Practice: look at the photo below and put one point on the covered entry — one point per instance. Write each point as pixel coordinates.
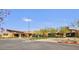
(70, 34)
(16, 35)
(20, 35)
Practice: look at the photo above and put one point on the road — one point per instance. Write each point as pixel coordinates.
(34, 45)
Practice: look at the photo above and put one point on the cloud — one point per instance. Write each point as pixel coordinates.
(27, 19)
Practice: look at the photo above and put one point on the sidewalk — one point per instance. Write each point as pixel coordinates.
(61, 40)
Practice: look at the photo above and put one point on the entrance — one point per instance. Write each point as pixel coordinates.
(23, 35)
(16, 35)
(70, 34)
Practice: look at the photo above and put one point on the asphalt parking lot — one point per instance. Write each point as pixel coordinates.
(34, 45)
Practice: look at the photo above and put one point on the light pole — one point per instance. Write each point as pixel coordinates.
(28, 23)
(28, 27)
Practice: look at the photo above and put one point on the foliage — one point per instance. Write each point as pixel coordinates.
(64, 30)
(52, 30)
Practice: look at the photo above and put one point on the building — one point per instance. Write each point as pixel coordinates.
(14, 34)
(73, 33)
(8, 33)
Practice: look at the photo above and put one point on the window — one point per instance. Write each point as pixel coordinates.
(5, 34)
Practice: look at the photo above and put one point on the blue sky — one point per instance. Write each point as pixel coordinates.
(41, 18)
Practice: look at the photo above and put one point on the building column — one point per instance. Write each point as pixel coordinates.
(19, 35)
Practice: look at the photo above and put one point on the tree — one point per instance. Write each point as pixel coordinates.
(64, 30)
(75, 24)
(44, 32)
(3, 13)
(41, 33)
(52, 30)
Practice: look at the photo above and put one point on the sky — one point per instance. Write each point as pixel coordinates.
(40, 18)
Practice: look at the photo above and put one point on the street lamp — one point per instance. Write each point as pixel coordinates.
(28, 22)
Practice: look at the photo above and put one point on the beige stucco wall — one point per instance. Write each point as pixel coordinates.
(8, 35)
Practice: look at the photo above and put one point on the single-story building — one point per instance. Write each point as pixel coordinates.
(14, 34)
